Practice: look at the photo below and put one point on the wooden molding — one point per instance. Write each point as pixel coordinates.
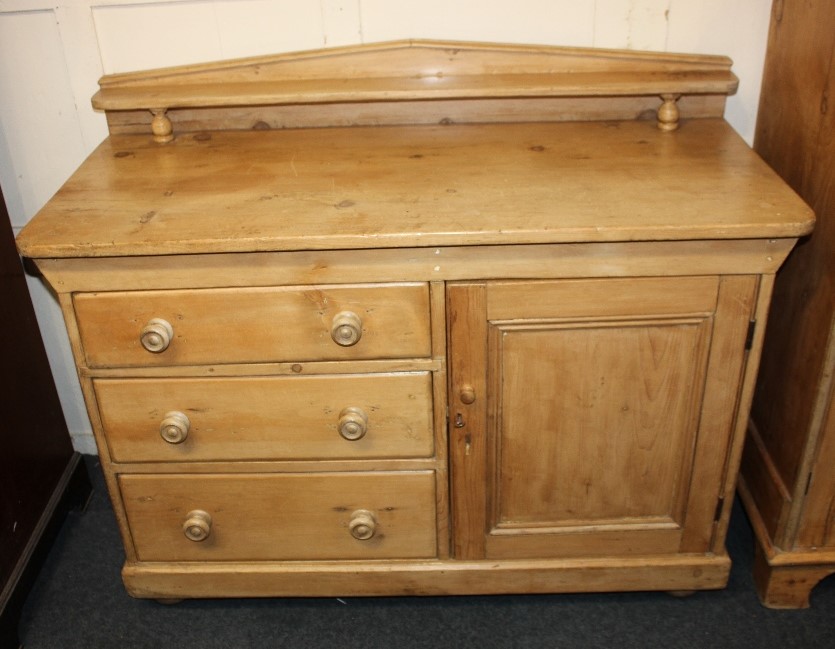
(416, 71)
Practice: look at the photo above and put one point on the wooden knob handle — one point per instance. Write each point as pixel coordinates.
(467, 394)
(198, 525)
(346, 329)
(353, 423)
(363, 525)
(174, 427)
(156, 335)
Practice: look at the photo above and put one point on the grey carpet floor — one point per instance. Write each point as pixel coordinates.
(78, 602)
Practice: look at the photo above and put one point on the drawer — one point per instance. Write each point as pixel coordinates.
(253, 325)
(268, 418)
(303, 516)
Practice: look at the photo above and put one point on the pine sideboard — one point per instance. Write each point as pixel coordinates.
(419, 318)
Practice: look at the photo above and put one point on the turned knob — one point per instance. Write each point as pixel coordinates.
(161, 126)
(668, 113)
(362, 525)
(198, 525)
(174, 427)
(346, 329)
(467, 394)
(353, 423)
(156, 335)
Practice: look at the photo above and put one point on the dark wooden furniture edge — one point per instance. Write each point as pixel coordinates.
(71, 493)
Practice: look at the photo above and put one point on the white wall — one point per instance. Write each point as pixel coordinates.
(53, 52)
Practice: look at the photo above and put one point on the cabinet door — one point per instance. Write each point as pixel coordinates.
(592, 417)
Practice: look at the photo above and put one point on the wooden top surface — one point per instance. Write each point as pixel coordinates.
(374, 187)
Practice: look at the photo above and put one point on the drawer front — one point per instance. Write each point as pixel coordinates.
(253, 325)
(281, 516)
(267, 418)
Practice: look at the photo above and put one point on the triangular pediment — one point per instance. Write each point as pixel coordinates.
(417, 70)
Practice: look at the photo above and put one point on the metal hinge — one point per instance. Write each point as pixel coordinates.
(719, 506)
(749, 337)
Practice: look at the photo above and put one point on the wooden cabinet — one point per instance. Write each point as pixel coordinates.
(788, 485)
(491, 330)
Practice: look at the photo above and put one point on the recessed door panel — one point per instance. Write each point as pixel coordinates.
(596, 422)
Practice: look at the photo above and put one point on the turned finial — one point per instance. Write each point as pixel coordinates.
(161, 126)
(668, 113)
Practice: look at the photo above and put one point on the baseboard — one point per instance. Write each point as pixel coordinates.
(84, 443)
(71, 492)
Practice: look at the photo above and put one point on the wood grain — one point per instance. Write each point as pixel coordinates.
(417, 69)
(789, 482)
(362, 578)
(795, 135)
(289, 516)
(436, 111)
(414, 186)
(267, 418)
(566, 260)
(254, 325)
(468, 422)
